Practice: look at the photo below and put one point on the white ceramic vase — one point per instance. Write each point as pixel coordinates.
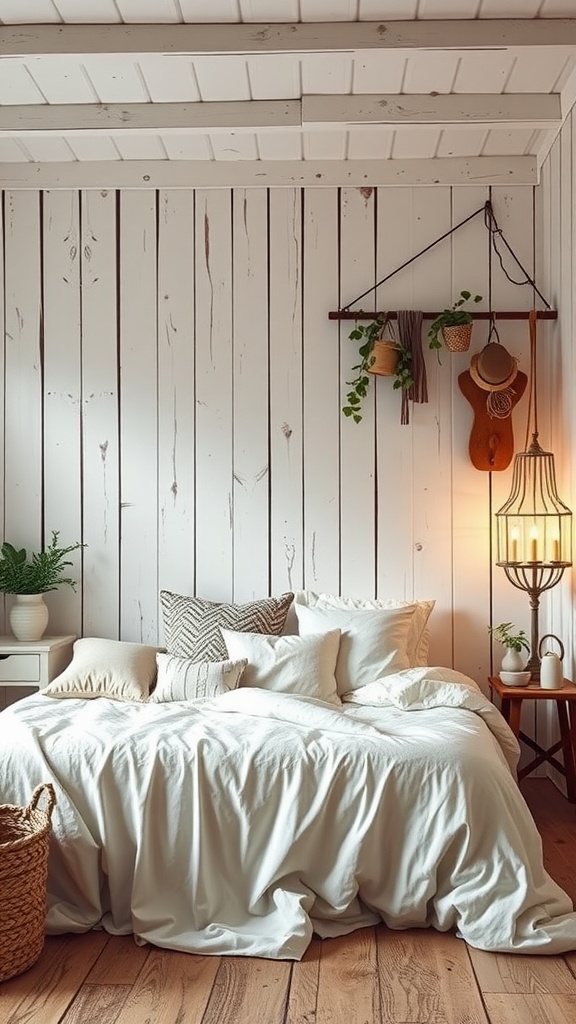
(513, 661)
(29, 617)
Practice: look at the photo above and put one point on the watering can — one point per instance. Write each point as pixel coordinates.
(551, 668)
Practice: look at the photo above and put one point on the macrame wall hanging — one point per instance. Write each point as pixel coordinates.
(493, 384)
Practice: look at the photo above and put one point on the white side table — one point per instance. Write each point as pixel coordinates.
(33, 664)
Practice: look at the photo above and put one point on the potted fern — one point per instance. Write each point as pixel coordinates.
(28, 577)
(385, 357)
(454, 325)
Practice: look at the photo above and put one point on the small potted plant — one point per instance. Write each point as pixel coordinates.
(515, 642)
(453, 325)
(28, 578)
(378, 355)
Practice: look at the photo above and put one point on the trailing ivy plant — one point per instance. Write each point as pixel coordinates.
(368, 334)
(42, 571)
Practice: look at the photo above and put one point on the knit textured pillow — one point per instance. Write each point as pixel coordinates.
(184, 679)
(192, 625)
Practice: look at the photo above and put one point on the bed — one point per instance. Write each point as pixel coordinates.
(242, 807)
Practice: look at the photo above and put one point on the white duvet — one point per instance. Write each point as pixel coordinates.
(243, 824)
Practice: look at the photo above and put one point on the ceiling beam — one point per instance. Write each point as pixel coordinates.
(392, 111)
(94, 118)
(297, 37)
(523, 110)
(507, 170)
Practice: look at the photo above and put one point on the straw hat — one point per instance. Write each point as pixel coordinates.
(493, 369)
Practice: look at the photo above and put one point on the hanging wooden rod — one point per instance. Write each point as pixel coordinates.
(507, 314)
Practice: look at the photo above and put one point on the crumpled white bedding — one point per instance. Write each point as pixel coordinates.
(243, 824)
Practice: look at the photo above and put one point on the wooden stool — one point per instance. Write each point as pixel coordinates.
(565, 700)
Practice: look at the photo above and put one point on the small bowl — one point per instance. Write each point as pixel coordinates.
(515, 678)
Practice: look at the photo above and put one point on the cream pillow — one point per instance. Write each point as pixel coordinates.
(107, 668)
(372, 643)
(184, 679)
(288, 664)
(419, 633)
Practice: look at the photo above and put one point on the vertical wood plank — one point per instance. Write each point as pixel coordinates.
(62, 396)
(357, 445)
(348, 981)
(432, 433)
(138, 418)
(394, 441)
(176, 391)
(472, 566)
(251, 554)
(23, 465)
(214, 396)
(100, 416)
(322, 396)
(286, 341)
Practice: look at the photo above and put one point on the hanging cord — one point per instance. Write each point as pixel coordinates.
(499, 404)
(532, 414)
(496, 232)
(412, 258)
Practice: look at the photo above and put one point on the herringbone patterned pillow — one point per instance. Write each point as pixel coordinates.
(192, 625)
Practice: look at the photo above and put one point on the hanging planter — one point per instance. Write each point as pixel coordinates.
(454, 325)
(457, 339)
(385, 353)
(383, 357)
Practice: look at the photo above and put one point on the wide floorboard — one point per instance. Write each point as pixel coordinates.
(374, 976)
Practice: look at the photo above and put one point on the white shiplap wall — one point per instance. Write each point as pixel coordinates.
(173, 392)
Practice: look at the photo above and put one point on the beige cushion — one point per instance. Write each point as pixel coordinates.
(288, 664)
(419, 633)
(372, 643)
(184, 679)
(107, 668)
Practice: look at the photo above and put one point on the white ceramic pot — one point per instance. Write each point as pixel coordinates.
(513, 661)
(29, 617)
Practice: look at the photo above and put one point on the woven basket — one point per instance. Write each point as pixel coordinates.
(386, 355)
(24, 840)
(457, 339)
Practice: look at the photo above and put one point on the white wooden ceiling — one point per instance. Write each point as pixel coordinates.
(179, 93)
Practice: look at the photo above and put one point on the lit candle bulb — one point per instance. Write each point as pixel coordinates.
(555, 549)
(514, 544)
(534, 544)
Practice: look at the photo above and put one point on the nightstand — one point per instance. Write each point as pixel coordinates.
(565, 700)
(33, 664)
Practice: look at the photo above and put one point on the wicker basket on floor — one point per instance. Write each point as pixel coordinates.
(24, 840)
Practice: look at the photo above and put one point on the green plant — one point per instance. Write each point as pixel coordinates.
(368, 334)
(452, 316)
(42, 571)
(502, 633)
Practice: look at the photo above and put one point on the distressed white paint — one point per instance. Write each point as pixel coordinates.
(138, 373)
(286, 387)
(214, 396)
(176, 375)
(252, 173)
(100, 416)
(62, 395)
(251, 551)
(215, 458)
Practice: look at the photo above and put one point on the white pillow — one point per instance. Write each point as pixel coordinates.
(372, 643)
(184, 679)
(106, 668)
(288, 664)
(419, 634)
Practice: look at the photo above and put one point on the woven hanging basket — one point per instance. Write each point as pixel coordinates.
(386, 356)
(24, 841)
(457, 339)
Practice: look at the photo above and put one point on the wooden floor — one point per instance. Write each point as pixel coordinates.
(371, 976)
